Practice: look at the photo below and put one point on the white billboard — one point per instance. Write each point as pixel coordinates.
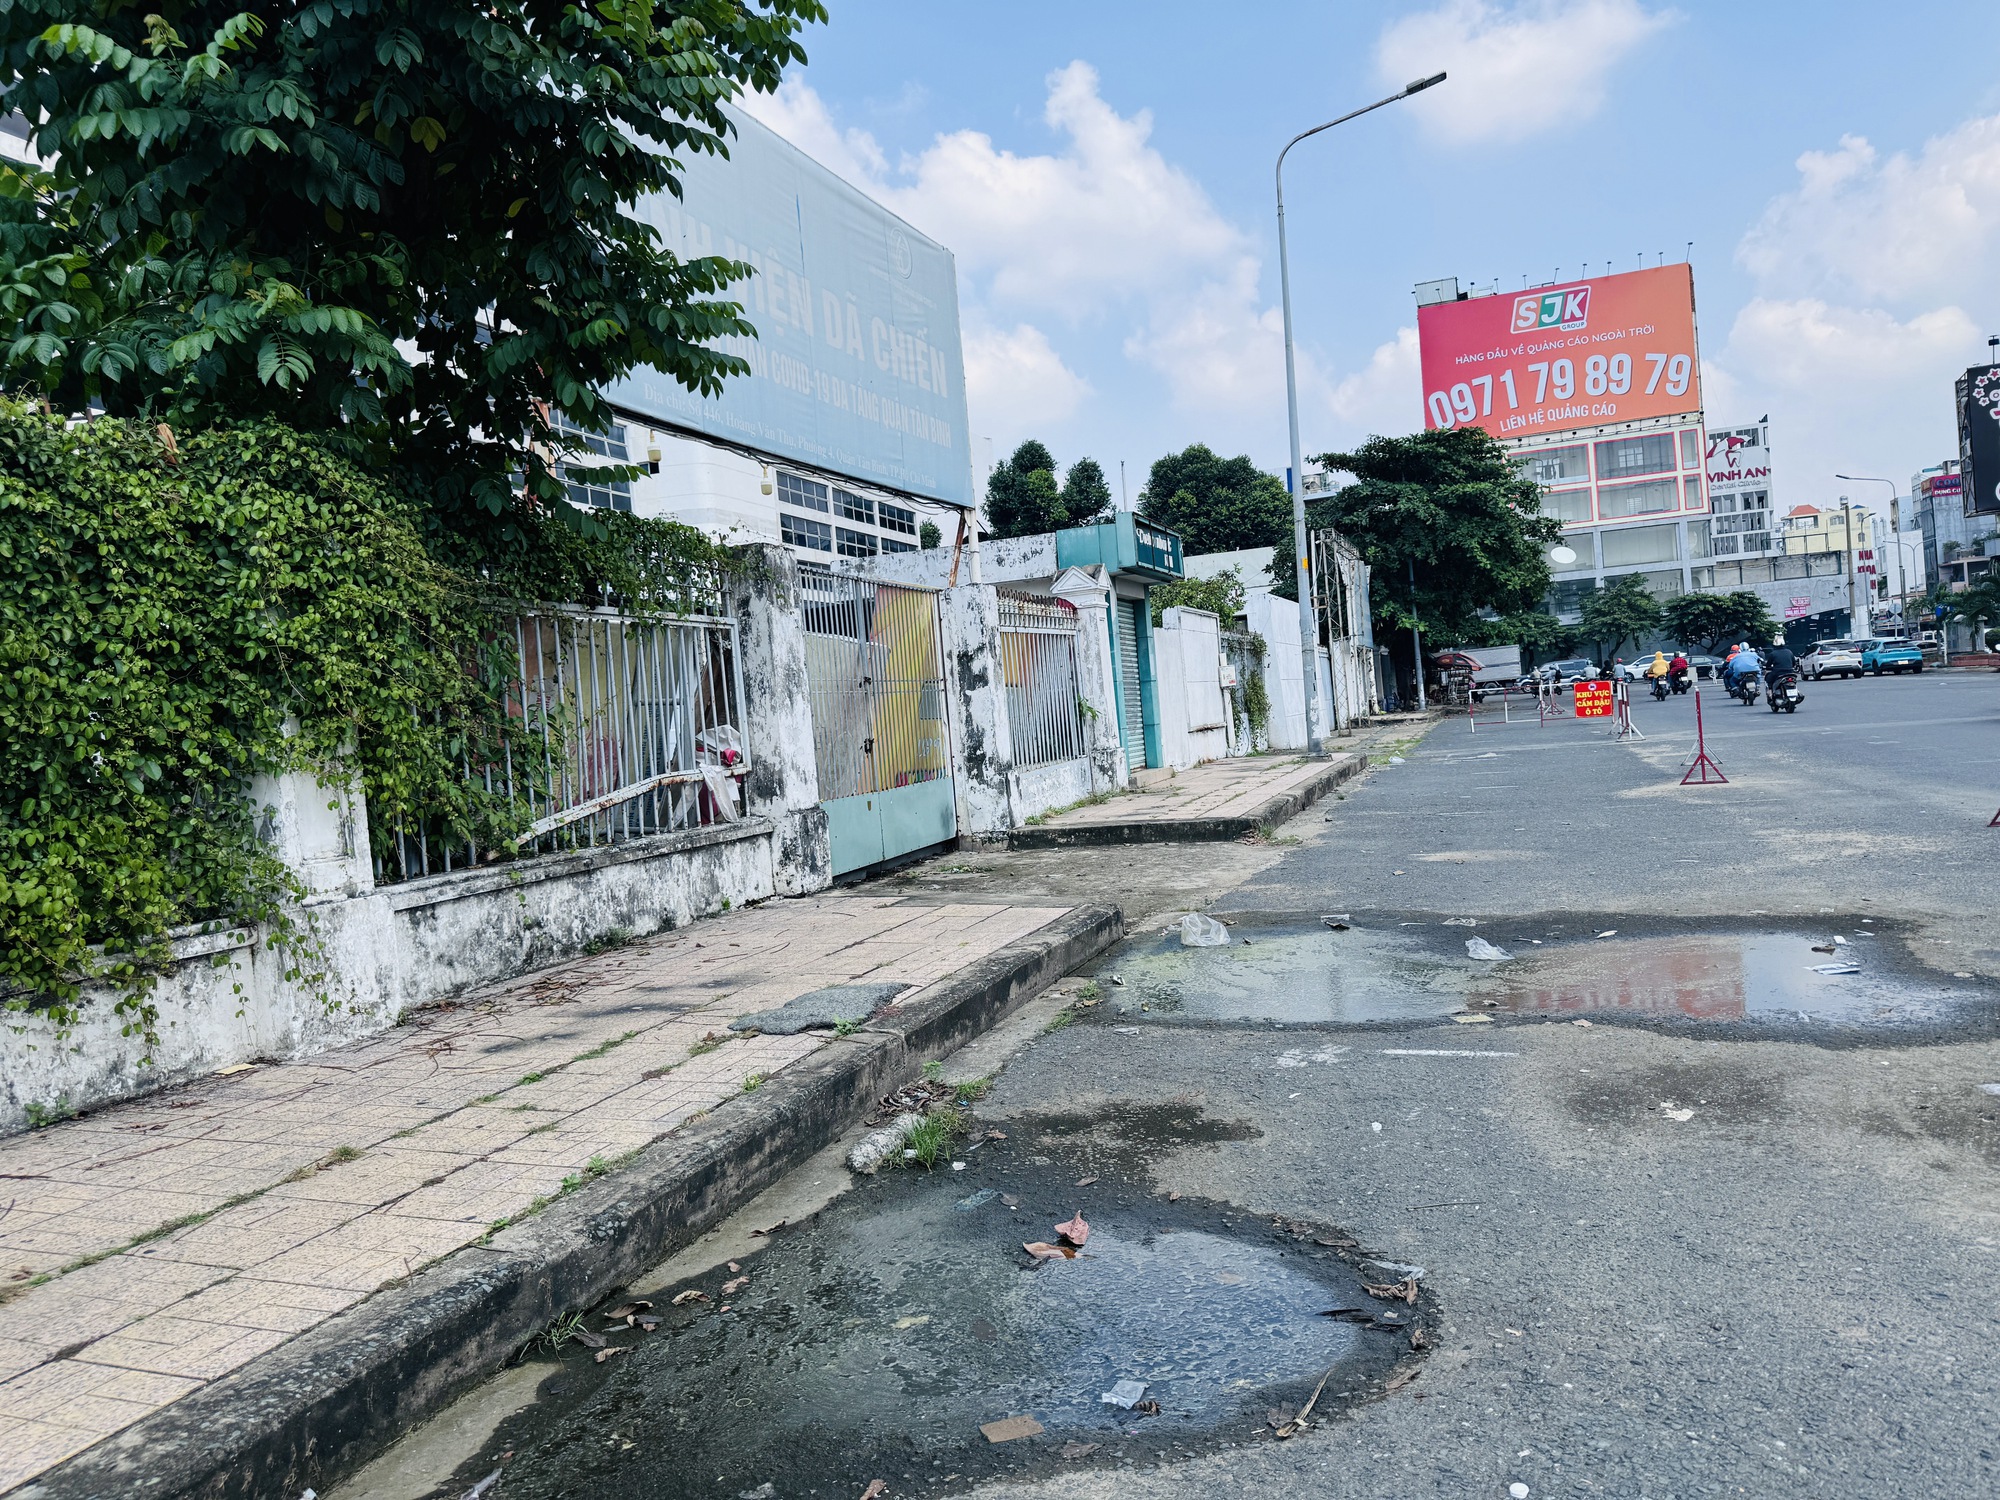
(857, 366)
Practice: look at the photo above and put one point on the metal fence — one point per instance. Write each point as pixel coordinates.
(876, 682)
(623, 727)
(1038, 663)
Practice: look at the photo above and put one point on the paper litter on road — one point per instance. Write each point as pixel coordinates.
(1836, 968)
(1124, 1394)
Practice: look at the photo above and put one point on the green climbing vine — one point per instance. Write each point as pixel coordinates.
(178, 616)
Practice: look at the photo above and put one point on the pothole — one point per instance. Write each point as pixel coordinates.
(877, 1341)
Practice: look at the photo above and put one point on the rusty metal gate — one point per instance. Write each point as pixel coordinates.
(880, 740)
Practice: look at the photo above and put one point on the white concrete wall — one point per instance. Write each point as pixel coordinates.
(366, 954)
(1194, 721)
(1277, 621)
(365, 958)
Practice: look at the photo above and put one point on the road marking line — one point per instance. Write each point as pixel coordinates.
(1439, 1052)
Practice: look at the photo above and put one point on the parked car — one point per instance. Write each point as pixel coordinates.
(1705, 666)
(1831, 659)
(1572, 669)
(1879, 656)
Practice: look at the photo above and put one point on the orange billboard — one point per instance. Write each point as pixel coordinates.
(1581, 354)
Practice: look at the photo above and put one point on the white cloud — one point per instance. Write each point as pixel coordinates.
(1851, 389)
(1387, 394)
(1891, 229)
(1514, 70)
(1015, 381)
(1100, 229)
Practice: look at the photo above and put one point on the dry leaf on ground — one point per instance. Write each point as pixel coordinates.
(1398, 1291)
(691, 1295)
(1075, 1231)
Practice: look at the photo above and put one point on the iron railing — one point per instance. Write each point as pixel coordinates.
(1038, 663)
(624, 727)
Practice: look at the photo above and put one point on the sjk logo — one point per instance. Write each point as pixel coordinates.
(1566, 309)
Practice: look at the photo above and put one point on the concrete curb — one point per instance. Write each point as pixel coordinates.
(1193, 830)
(319, 1405)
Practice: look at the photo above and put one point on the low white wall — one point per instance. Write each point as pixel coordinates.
(226, 998)
(1040, 789)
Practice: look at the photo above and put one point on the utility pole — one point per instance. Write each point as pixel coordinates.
(1417, 638)
(1308, 620)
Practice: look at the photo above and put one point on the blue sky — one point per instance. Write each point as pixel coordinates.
(1103, 173)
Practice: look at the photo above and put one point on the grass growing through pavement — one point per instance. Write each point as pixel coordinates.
(933, 1136)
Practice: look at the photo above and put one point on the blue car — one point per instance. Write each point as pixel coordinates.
(1879, 656)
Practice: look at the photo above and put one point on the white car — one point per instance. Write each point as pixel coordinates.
(1831, 659)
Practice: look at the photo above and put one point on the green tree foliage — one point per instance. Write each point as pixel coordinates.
(1086, 497)
(1451, 507)
(1620, 611)
(1024, 499)
(176, 618)
(250, 210)
(1221, 596)
(929, 538)
(1217, 504)
(1708, 622)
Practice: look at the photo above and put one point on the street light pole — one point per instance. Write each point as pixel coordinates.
(1894, 534)
(1308, 623)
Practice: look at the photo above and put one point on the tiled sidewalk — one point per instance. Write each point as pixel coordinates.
(1244, 788)
(155, 1246)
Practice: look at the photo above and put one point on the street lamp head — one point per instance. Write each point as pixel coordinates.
(1423, 83)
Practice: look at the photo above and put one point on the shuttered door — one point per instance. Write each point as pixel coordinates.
(1128, 682)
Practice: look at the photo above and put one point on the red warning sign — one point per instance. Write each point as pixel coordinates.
(1593, 700)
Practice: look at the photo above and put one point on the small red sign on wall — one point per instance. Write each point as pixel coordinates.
(1593, 700)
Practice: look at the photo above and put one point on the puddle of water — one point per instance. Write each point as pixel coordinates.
(1304, 975)
(1386, 967)
(874, 1343)
(1719, 977)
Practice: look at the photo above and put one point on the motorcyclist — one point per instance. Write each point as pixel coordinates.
(1778, 661)
(1678, 670)
(1658, 666)
(1743, 662)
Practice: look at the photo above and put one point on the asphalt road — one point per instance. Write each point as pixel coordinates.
(1790, 1291)
(1667, 1260)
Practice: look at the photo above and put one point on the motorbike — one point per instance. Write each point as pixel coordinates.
(1660, 689)
(1745, 688)
(1786, 694)
(1683, 680)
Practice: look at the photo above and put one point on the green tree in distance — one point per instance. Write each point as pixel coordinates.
(1221, 596)
(1710, 621)
(1451, 508)
(929, 537)
(1023, 498)
(1217, 504)
(1622, 610)
(256, 213)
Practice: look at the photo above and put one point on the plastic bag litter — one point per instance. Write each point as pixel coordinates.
(1480, 948)
(1836, 968)
(1125, 1393)
(878, 1146)
(1198, 931)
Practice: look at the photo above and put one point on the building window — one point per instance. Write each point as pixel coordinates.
(1623, 458)
(1570, 506)
(1616, 501)
(801, 532)
(807, 494)
(895, 518)
(1704, 578)
(854, 543)
(853, 507)
(1698, 545)
(1556, 465)
(1584, 545)
(1567, 597)
(890, 544)
(1690, 450)
(610, 446)
(1640, 544)
(1692, 487)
